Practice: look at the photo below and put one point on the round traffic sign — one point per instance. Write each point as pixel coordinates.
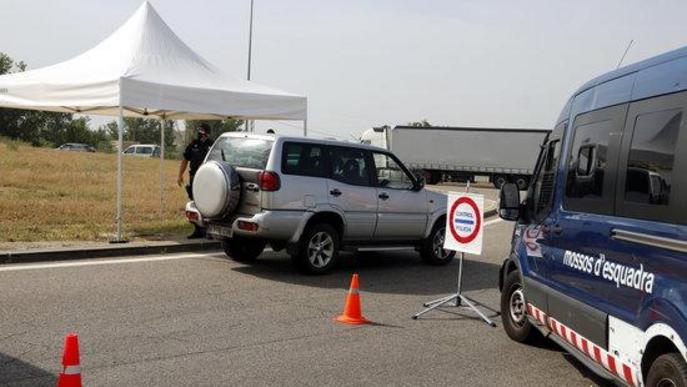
(465, 220)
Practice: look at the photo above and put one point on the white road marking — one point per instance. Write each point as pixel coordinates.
(493, 221)
(98, 262)
(30, 266)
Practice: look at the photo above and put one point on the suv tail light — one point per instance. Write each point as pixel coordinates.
(247, 226)
(192, 216)
(269, 181)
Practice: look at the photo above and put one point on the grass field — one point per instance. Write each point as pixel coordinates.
(51, 195)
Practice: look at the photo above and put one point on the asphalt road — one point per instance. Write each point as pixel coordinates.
(201, 319)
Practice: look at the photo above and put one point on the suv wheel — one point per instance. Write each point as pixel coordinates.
(243, 249)
(319, 249)
(514, 309)
(667, 370)
(432, 251)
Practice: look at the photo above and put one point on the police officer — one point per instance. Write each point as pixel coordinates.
(195, 154)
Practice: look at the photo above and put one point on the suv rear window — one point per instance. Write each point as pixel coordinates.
(242, 152)
(303, 160)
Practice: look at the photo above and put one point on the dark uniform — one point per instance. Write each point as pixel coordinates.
(195, 154)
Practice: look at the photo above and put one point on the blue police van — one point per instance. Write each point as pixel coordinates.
(599, 252)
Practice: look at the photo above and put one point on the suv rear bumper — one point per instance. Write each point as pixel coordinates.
(271, 225)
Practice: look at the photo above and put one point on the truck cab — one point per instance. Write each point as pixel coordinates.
(599, 251)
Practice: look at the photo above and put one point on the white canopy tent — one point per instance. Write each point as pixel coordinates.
(144, 70)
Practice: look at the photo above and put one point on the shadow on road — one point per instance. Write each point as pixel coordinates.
(14, 372)
(392, 273)
(584, 371)
(549, 345)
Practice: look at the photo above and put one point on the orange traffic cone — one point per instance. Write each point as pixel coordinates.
(71, 372)
(353, 313)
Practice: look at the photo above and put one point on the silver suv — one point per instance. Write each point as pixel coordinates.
(313, 198)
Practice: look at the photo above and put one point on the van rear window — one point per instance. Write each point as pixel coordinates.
(242, 151)
(649, 174)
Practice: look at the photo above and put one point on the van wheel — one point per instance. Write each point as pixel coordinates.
(514, 309)
(432, 250)
(522, 183)
(667, 370)
(499, 181)
(243, 249)
(319, 249)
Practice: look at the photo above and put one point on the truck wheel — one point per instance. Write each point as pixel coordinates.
(243, 249)
(499, 181)
(522, 182)
(432, 250)
(514, 309)
(667, 370)
(318, 250)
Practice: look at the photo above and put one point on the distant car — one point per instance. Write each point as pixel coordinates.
(143, 150)
(76, 147)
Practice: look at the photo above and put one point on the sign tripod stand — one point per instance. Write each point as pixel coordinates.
(461, 301)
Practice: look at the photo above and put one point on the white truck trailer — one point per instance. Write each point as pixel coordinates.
(460, 154)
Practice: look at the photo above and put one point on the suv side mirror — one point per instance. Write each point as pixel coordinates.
(419, 183)
(509, 206)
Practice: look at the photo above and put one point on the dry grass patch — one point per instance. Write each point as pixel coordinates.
(46, 194)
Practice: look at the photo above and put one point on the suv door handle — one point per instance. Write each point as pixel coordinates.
(383, 196)
(335, 192)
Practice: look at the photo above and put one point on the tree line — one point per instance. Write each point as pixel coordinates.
(52, 129)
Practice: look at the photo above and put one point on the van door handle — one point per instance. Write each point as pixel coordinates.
(556, 229)
(335, 192)
(383, 196)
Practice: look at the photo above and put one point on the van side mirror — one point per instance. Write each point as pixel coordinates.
(509, 206)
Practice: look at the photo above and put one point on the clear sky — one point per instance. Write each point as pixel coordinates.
(363, 63)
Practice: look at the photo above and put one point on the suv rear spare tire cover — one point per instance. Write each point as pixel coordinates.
(216, 189)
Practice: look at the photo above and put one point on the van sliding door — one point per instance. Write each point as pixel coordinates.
(650, 233)
(577, 235)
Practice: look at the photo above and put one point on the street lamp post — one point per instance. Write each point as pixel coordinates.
(249, 124)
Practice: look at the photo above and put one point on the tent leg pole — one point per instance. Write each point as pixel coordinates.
(120, 141)
(162, 173)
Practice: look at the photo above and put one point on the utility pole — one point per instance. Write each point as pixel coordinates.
(249, 124)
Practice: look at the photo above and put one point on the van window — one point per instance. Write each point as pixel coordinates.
(652, 180)
(542, 191)
(649, 175)
(303, 160)
(592, 161)
(144, 150)
(588, 159)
